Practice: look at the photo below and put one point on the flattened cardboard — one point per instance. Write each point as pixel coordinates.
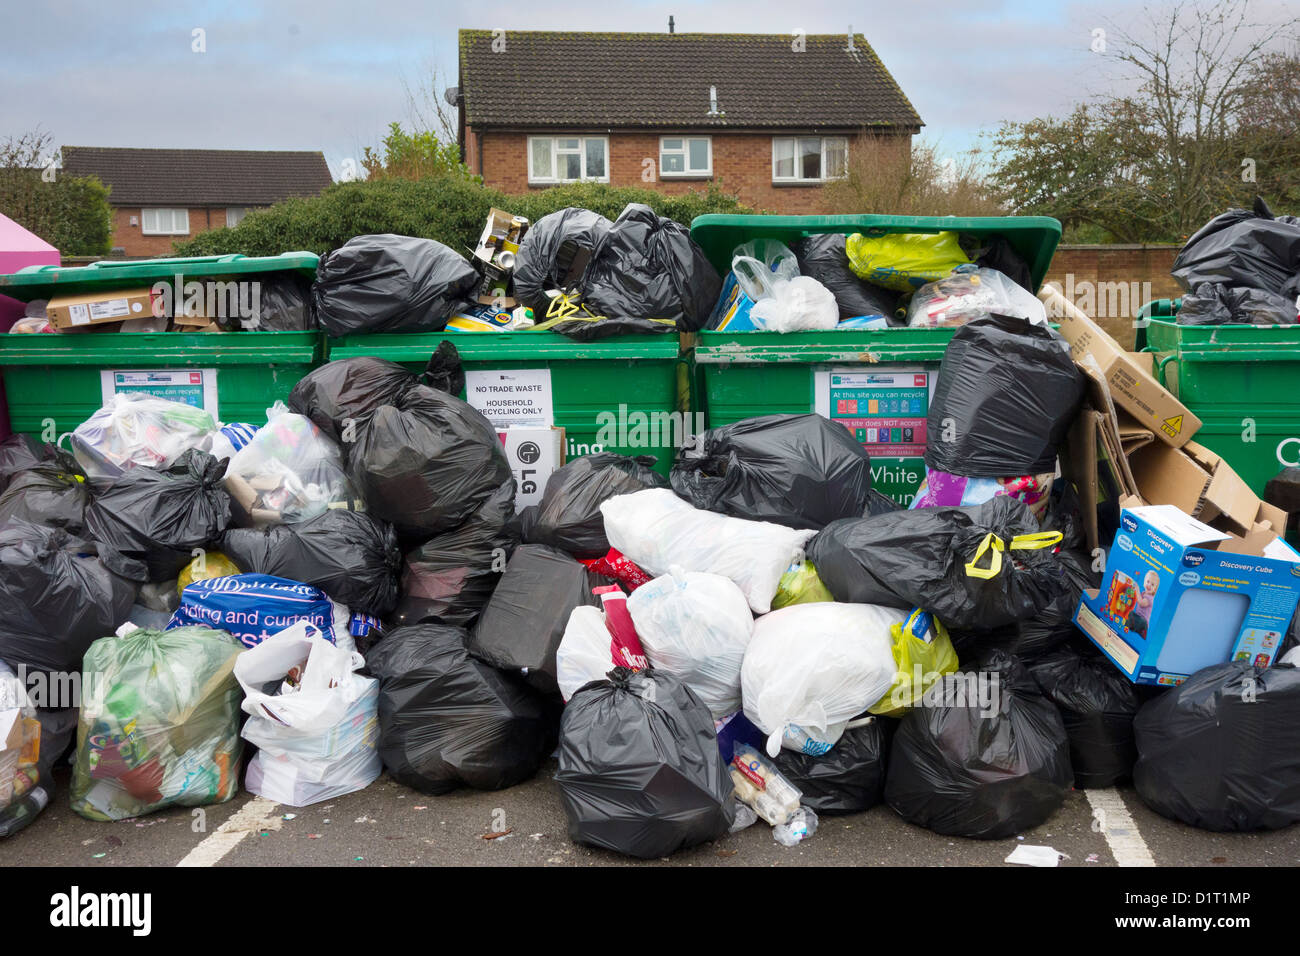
(98, 308)
(1130, 384)
(1197, 481)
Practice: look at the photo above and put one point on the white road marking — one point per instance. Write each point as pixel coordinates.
(256, 815)
(1117, 826)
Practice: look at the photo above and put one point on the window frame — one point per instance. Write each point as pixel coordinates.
(554, 139)
(801, 180)
(173, 231)
(243, 211)
(685, 153)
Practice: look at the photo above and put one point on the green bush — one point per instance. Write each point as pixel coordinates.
(449, 209)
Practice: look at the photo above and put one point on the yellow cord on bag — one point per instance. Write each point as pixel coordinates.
(994, 546)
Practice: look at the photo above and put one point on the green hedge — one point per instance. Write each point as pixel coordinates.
(448, 209)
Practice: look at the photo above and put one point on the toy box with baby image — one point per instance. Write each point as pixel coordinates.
(1179, 596)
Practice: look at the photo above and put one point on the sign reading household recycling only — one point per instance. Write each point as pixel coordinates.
(192, 386)
(512, 397)
(885, 409)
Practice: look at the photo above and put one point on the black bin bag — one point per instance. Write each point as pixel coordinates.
(1242, 247)
(351, 556)
(552, 254)
(156, 518)
(284, 304)
(1054, 624)
(640, 771)
(801, 471)
(1221, 751)
(340, 397)
(568, 516)
(955, 769)
(19, 452)
(823, 257)
(1097, 704)
(975, 567)
(645, 275)
(848, 778)
(448, 721)
(1006, 395)
(55, 494)
(523, 623)
(389, 283)
(450, 577)
(56, 597)
(427, 463)
(1215, 304)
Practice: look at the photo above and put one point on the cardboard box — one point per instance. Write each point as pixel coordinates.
(95, 308)
(534, 453)
(1200, 483)
(1129, 382)
(1179, 595)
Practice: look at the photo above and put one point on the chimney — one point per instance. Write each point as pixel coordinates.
(670, 23)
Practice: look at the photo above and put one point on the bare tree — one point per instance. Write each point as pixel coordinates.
(429, 110)
(1188, 66)
(886, 175)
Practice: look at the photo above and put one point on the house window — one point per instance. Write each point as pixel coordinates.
(568, 159)
(685, 156)
(235, 215)
(165, 222)
(809, 159)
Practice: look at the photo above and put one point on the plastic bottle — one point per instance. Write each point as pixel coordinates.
(23, 811)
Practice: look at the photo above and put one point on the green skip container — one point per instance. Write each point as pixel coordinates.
(629, 394)
(55, 381)
(1242, 381)
(877, 381)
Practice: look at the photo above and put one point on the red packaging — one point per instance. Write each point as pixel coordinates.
(625, 648)
(619, 567)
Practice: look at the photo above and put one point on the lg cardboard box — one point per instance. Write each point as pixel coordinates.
(1179, 595)
(1131, 385)
(95, 308)
(534, 453)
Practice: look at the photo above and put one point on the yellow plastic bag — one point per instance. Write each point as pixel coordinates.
(800, 585)
(920, 662)
(212, 564)
(904, 261)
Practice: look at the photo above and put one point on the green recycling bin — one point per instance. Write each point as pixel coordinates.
(55, 381)
(877, 382)
(1241, 381)
(628, 394)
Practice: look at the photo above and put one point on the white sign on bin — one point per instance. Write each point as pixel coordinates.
(511, 398)
(192, 386)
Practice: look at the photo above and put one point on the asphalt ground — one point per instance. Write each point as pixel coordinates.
(390, 825)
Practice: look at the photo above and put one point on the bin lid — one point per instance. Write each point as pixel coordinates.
(43, 282)
(1034, 237)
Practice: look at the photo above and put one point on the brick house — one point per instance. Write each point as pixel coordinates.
(162, 196)
(770, 118)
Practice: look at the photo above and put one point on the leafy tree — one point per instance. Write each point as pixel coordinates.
(69, 212)
(415, 155)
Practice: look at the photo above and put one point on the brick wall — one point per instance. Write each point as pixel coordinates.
(134, 242)
(1100, 280)
(742, 164)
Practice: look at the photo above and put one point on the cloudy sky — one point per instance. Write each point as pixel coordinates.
(330, 75)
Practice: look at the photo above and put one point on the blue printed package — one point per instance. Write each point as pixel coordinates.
(1179, 595)
(254, 606)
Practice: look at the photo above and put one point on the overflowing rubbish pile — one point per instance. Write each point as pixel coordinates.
(1240, 269)
(755, 636)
